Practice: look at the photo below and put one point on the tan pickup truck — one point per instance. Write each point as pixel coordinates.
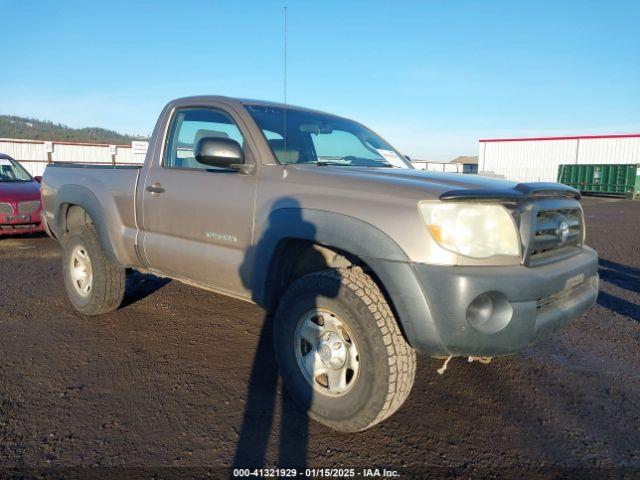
(361, 259)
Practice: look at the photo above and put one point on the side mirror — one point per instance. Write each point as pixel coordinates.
(408, 158)
(219, 152)
(38, 178)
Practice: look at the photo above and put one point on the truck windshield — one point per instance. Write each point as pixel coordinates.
(12, 171)
(300, 136)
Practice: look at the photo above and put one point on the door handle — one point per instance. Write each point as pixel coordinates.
(155, 189)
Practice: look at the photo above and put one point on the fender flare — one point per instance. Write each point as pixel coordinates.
(380, 252)
(84, 198)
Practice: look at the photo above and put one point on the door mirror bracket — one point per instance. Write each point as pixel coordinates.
(243, 167)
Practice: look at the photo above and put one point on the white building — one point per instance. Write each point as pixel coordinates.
(537, 159)
(34, 155)
(463, 164)
(437, 166)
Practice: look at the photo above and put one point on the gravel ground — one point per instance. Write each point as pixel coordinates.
(160, 388)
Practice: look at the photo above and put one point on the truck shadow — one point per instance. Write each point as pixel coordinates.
(619, 305)
(622, 276)
(264, 384)
(628, 269)
(140, 285)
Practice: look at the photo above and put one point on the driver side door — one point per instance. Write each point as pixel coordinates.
(197, 220)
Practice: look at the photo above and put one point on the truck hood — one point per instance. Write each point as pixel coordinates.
(19, 191)
(446, 186)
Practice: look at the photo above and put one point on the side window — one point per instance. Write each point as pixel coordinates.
(190, 125)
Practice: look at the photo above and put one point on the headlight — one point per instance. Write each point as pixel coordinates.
(472, 230)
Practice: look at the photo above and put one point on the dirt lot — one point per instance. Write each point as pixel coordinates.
(166, 382)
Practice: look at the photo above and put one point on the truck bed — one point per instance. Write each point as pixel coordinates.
(113, 188)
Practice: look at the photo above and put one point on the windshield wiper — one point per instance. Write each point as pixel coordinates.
(349, 160)
(325, 163)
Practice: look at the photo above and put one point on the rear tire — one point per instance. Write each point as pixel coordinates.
(351, 313)
(94, 284)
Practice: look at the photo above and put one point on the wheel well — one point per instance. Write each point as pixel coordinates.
(74, 216)
(294, 258)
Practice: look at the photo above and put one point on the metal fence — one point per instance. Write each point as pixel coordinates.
(34, 155)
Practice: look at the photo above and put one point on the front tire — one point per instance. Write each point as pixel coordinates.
(340, 351)
(94, 284)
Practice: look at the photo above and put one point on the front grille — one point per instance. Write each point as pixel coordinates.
(548, 233)
(6, 209)
(29, 207)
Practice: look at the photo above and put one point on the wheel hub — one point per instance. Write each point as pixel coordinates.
(333, 352)
(326, 352)
(81, 271)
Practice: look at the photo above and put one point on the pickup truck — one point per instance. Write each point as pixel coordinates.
(359, 259)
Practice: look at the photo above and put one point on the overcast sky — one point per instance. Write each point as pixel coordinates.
(431, 76)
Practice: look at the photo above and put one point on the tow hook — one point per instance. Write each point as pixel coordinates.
(443, 368)
(483, 360)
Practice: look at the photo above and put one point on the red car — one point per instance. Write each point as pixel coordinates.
(20, 204)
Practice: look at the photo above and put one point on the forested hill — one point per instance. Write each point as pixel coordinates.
(28, 128)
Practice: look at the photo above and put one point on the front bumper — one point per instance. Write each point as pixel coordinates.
(10, 225)
(531, 302)
(20, 229)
